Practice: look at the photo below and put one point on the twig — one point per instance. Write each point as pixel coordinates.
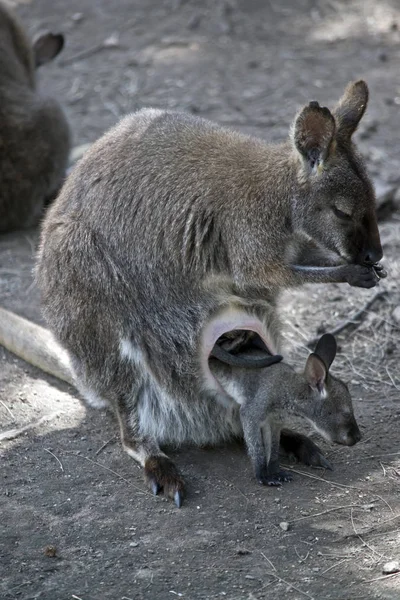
(339, 485)
(7, 409)
(391, 378)
(374, 527)
(324, 512)
(57, 459)
(333, 566)
(302, 558)
(104, 445)
(141, 490)
(382, 577)
(362, 540)
(291, 585)
(13, 433)
(268, 561)
(355, 320)
(110, 42)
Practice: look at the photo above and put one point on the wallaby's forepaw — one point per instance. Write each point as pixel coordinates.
(380, 271)
(363, 276)
(162, 475)
(273, 479)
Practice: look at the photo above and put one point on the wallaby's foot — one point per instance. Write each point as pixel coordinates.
(161, 474)
(364, 276)
(303, 449)
(273, 479)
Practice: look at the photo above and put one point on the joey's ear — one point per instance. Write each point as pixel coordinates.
(326, 349)
(46, 46)
(351, 108)
(315, 373)
(313, 133)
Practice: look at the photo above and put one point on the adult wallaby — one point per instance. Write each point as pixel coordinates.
(34, 134)
(269, 397)
(171, 232)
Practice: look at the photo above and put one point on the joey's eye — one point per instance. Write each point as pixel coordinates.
(340, 214)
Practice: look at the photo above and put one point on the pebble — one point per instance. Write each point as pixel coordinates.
(390, 567)
(284, 525)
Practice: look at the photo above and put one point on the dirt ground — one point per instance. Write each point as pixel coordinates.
(66, 482)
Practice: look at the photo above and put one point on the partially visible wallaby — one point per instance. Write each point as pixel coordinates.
(269, 397)
(172, 231)
(34, 134)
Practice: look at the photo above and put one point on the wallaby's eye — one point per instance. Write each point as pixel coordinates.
(340, 214)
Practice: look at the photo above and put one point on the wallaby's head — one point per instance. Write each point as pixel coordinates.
(330, 409)
(18, 55)
(336, 200)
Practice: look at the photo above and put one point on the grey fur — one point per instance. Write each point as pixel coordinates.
(34, 134)
(172, 231)
(268, 399)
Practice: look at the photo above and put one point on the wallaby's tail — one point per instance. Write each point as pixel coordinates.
(35, 345)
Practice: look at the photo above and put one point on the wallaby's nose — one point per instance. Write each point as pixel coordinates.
(373, 255)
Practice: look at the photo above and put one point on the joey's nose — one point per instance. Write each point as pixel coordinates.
(353, 436)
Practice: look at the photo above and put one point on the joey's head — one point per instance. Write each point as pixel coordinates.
(335, 204)
(329, 406)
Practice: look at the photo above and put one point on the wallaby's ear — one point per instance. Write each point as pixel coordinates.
(315, 373)
(326, 349)
(313, 133)
(351, 108)
(46, 46)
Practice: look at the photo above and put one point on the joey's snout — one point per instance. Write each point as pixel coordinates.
(349, 435)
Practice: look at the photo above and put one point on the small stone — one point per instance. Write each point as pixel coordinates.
(134, 544)
(277, 500)
(242, 551)
(50, 551)
(393, 566)
(284, 525)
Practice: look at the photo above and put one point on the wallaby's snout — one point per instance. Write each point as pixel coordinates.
(367, 243)
(341, 427)
(331, 412)
(338, 201)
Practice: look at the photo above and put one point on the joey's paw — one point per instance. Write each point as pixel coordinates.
(273, 479)
(361, 276)
(162, 475)
(308, 453)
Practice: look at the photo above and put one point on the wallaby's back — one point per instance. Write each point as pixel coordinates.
(34, 134)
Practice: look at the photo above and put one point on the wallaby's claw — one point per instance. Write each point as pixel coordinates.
(324, 463)
(155, 488)
(161, 474)
(380, 271)
(362, 276)
(275, 479)
(178, 498)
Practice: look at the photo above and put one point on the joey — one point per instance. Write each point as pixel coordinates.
(34, 134)
(269, 397)
(172, 231)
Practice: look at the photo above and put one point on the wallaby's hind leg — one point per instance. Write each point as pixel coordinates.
(303, 449)
(160, 472)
